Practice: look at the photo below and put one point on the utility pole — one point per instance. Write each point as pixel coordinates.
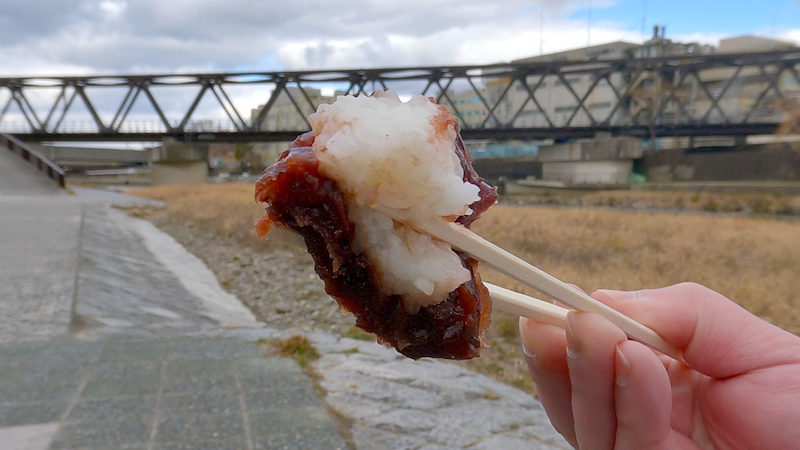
(589, 23)
(644, 17)
(541, 28)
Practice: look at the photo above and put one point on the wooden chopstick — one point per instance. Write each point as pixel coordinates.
(462, 238)
(525, 306)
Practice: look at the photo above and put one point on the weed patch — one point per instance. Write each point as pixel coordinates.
(357, 333)
(297, 347)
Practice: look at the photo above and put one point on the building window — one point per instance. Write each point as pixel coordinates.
(601, 105)
(571, 80)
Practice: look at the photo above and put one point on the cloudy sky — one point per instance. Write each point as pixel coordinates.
(69, 37)
(123, 36)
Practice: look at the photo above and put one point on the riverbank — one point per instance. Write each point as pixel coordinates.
(743, 256)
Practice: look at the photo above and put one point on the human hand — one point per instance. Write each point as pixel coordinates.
(741, 388)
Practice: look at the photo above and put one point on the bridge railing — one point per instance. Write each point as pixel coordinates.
(32, 156)
(732, 94)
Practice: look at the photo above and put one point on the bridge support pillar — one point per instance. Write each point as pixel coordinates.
(602, 162)
(177, 162)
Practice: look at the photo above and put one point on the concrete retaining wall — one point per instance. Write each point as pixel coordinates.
(596, 173)
(511, 168)
(599, 149)
(180, 163)
(92, 156)
(190, 172)
(750, 163)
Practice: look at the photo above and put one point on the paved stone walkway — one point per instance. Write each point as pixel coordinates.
(113, 336)
(161, 393)
(39, 230)
(39, 242)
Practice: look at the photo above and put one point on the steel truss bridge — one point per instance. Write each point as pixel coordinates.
(690, 95)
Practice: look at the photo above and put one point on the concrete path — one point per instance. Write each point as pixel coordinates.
(19, 177)
(39, 239)
(113, 336)
(134, 279)
(158, 393)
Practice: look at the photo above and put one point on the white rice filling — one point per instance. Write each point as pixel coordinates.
(421, 269)
(388, 153)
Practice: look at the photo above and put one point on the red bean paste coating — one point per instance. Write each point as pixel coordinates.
(299, 197)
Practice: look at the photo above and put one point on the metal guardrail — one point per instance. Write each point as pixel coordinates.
(39, 161)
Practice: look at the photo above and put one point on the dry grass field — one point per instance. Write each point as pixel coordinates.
(227, 209)
(754, 260)
(774, 202)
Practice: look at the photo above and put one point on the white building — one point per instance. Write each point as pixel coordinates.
(557, 96)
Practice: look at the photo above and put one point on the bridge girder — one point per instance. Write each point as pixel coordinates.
(696, 95)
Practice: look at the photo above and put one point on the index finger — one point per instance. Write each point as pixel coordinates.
(718, 337)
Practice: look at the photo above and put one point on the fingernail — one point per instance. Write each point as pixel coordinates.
(622, 369)
(526, 350)
(573, 346)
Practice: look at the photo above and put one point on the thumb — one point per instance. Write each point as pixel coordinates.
(718, 337)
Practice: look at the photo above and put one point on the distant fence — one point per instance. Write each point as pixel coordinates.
(41, 162)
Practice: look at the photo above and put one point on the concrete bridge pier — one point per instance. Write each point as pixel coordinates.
(178, 162)
(603, 162)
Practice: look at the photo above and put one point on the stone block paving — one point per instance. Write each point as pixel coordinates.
(185, 392)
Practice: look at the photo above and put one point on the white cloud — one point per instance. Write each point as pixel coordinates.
(790, 35)
(113, 9)
(119, 36)
(474, 43)
(699, 37)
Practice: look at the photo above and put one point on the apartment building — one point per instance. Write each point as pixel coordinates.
(467, 106)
